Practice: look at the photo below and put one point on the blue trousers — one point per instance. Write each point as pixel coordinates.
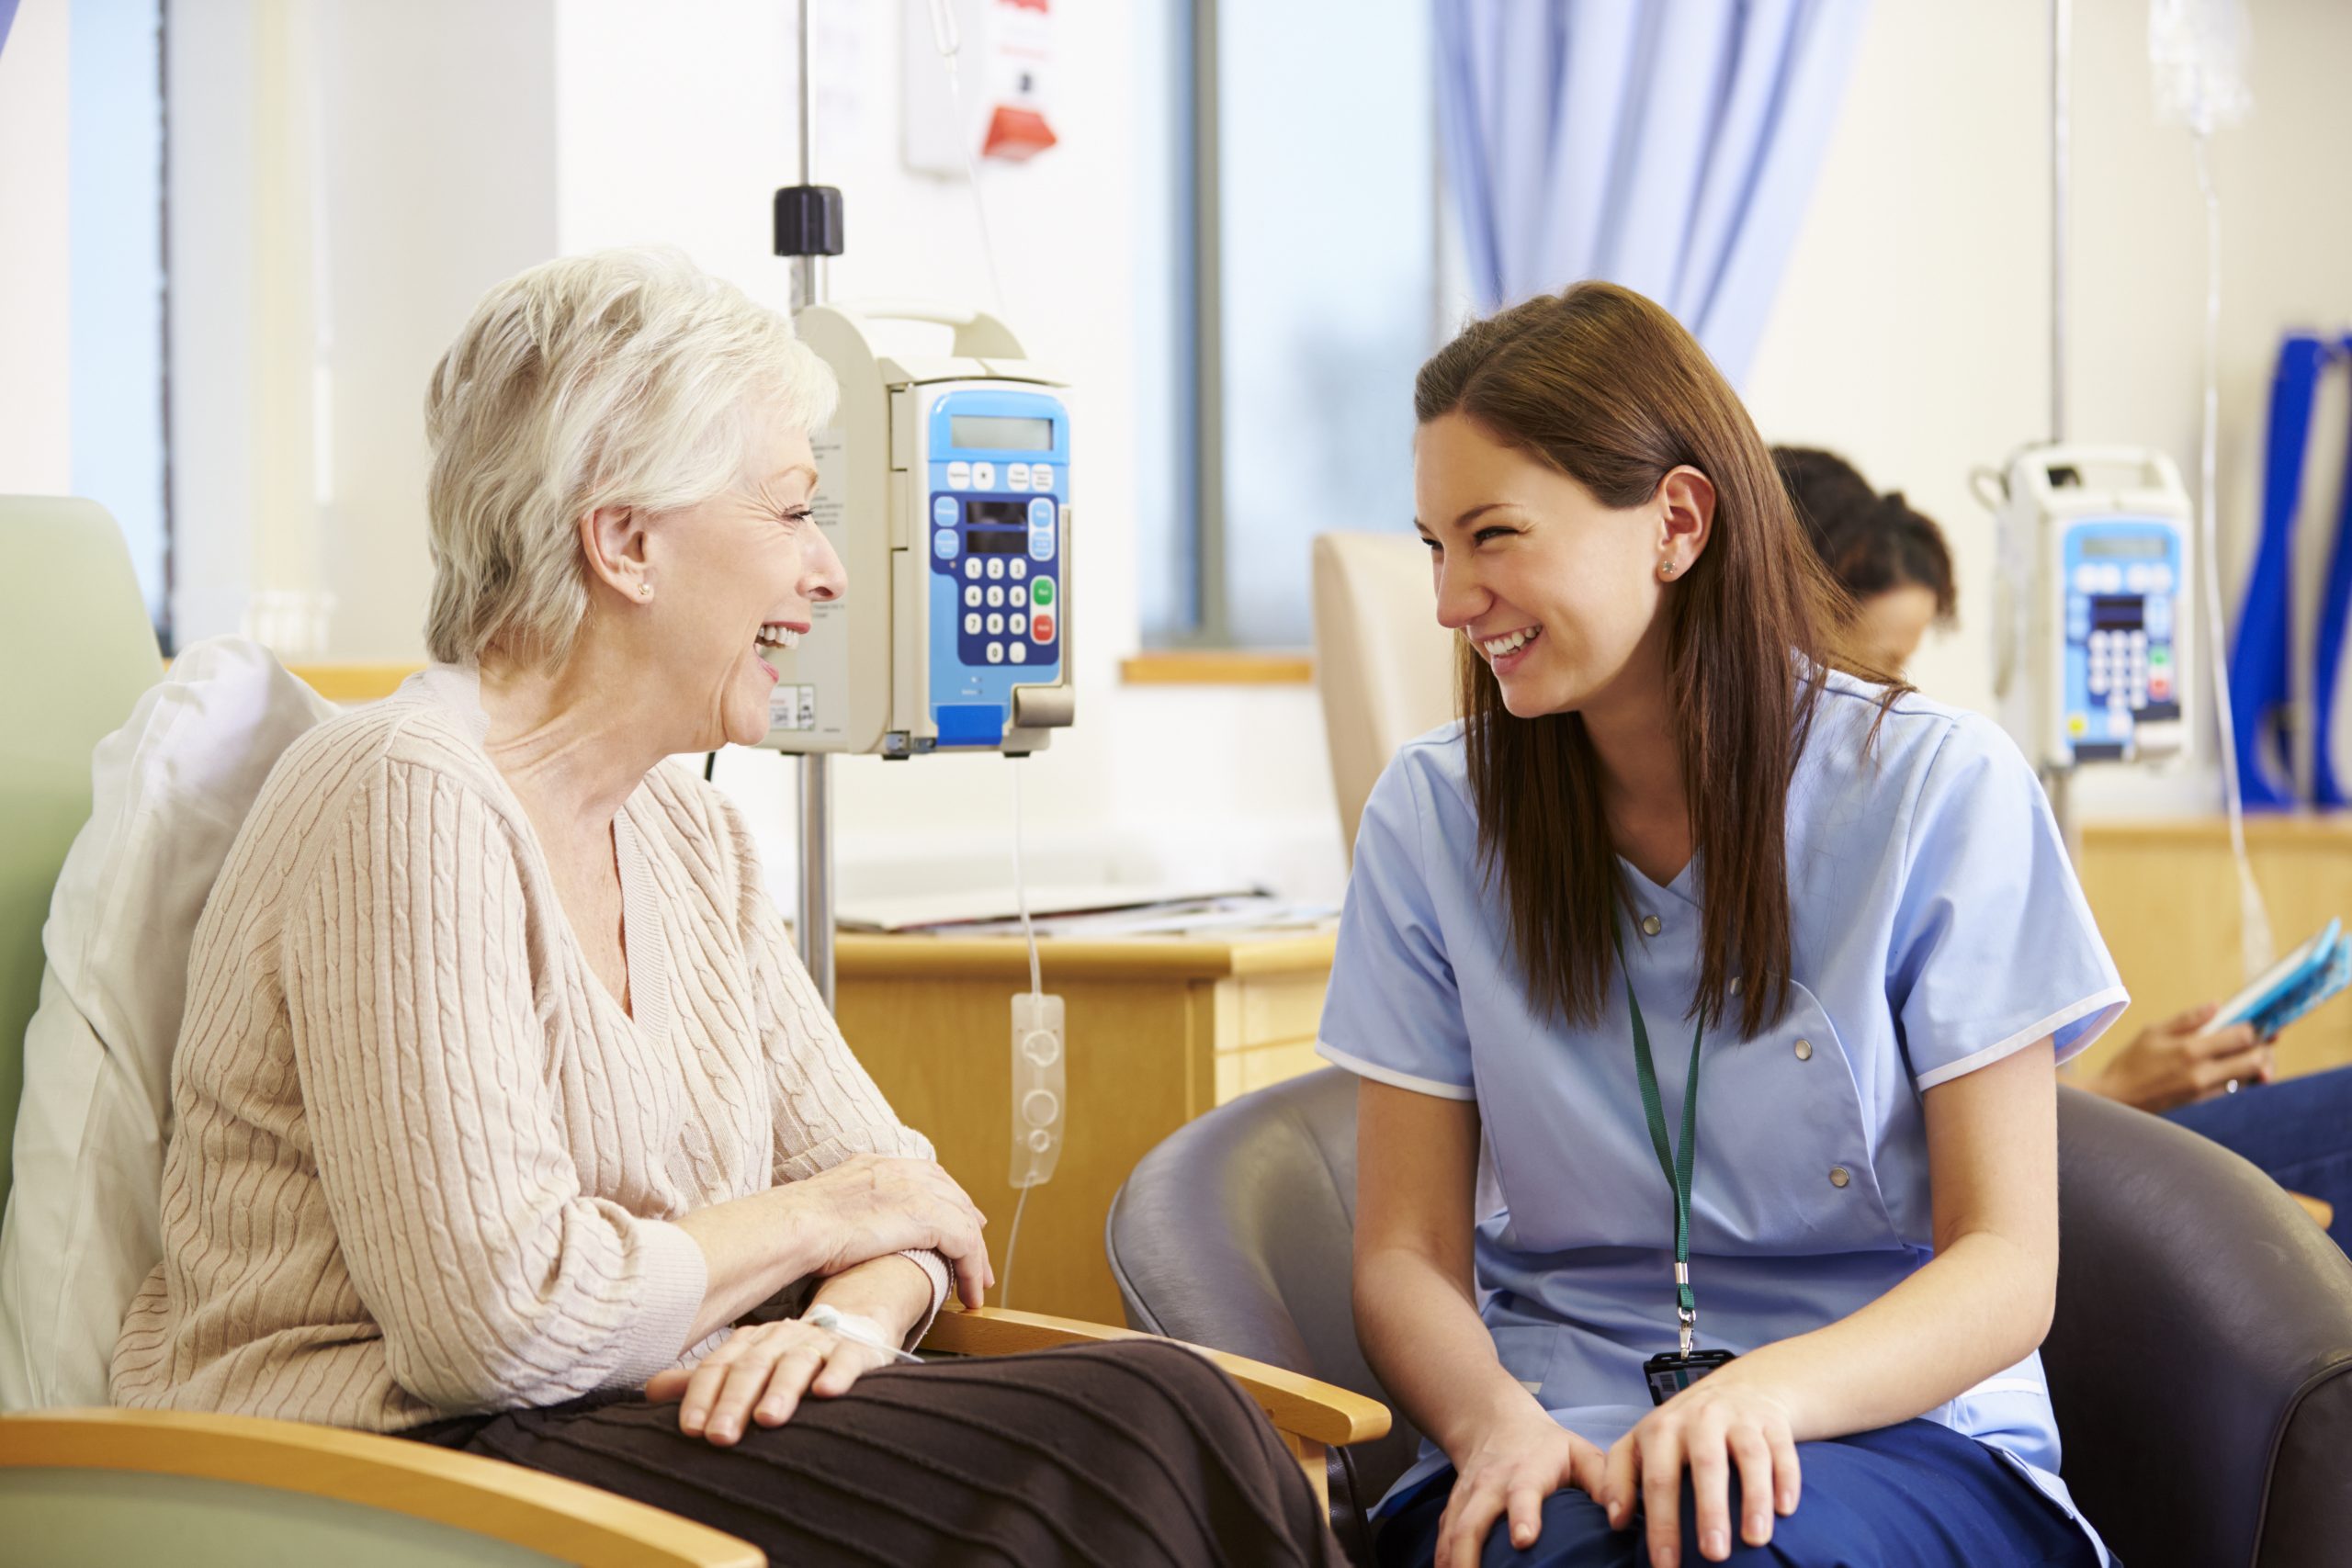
(1917, 1495)
(2299, 1131)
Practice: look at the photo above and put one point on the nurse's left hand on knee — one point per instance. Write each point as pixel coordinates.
(1716, 1432)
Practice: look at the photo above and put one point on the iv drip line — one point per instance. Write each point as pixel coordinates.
(2257, 947)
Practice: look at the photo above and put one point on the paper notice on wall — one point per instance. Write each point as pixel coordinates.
(995, 103)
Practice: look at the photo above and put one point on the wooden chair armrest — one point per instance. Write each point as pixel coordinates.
(2319, 1209)
(482, 1497)
(1299, 1407)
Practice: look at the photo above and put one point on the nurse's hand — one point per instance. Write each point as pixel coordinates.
(1515, 1464)
(1711, 1427)
(2170, 1064)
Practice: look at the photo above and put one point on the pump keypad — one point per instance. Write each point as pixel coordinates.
(2119, 577)
(1001, 549)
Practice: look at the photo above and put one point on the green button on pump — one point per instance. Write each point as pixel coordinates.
(1041, 593)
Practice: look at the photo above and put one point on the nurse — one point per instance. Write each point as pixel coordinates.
(1705, 1001)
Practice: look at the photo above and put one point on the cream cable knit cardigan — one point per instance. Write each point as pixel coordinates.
(422, 1162)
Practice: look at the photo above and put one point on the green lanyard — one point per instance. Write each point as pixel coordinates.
(1675, 1163)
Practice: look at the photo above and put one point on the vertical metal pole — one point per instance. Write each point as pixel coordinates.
(2062, 46)
(2057, 782)
(808, 272)
(1211, 617)
(813, 910)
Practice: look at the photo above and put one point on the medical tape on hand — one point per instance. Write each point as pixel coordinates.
(849, 1325)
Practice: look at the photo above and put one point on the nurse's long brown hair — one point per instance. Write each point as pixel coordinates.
(1607, 387)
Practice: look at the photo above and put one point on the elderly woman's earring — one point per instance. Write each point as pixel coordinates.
(644, 591)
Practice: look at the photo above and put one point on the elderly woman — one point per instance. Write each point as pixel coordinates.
(500, 1100)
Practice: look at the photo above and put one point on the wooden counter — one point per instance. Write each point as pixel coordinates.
(2166, 894)
(1158, 1031)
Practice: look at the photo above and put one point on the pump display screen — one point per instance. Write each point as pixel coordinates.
(996, 514)
(2123, 546)
(1002, 433)
(995, 543)
(2110, 614)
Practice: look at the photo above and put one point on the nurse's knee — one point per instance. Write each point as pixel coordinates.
(1799, 1540)
(1576, 1534)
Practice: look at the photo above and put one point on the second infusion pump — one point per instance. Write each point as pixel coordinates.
(2093, 656)
(944, 485)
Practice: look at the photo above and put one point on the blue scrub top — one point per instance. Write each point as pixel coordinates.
(1936, 927)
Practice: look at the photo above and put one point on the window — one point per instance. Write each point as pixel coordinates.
(116, 382)
(1294, 302)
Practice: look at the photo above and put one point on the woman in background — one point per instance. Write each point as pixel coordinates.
(1893, 565)
(1890, 560)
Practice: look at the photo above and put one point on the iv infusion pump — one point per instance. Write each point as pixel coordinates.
(2096, 616)
(944, 485)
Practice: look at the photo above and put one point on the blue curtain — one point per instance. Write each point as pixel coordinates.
(1667, 145)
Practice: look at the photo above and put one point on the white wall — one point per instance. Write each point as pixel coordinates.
(211, 244)
(36, 339)
(1913, 331)
(346, 178)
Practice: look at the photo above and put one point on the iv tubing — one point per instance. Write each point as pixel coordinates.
(1036, 988)
(944, 37)
(2256, 948)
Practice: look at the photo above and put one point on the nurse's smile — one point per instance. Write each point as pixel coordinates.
(1509, 652)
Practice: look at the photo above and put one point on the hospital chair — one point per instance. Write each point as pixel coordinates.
(107, 1486)
(2200, 1359)
(1383, 667)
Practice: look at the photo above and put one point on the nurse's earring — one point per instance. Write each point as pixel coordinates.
(1666, 568)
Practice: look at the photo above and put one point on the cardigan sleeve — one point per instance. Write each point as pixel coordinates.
(828, 1107)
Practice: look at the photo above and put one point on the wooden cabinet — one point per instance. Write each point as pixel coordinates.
(1159, 1030)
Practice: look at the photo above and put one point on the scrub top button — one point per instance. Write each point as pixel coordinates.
(1838, 1176)
(1651, 925)
(1805, 1049)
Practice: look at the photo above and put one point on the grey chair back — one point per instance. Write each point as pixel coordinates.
(1235, 1232)
(2199, 1355)
(2198, 1360)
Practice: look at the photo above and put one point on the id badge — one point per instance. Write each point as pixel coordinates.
(1669, 1372)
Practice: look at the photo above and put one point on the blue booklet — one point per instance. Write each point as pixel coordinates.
(2292, 986)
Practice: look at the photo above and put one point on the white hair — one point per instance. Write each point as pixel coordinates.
(622, 379)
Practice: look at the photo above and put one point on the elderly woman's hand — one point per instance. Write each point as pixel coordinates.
(763, 1372)
(872, 1205)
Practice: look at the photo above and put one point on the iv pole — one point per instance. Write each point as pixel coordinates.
(808, 230)
(2057, 783)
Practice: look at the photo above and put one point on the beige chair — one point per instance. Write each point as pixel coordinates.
(1385, 667)
(79, 1487)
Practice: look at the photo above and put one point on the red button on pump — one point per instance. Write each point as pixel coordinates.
(1041, 626)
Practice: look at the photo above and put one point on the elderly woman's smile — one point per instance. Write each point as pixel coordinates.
(691, 598)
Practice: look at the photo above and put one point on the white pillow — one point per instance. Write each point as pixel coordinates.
(170, 789)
